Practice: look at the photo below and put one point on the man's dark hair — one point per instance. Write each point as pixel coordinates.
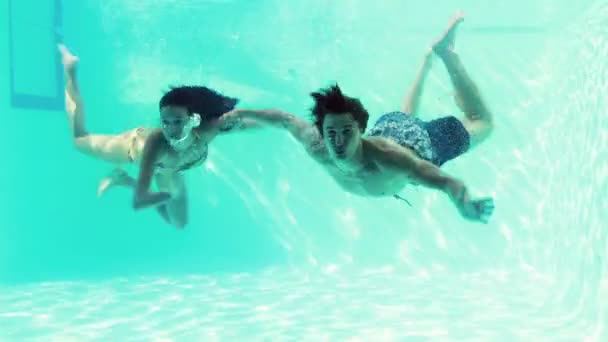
(331, 100)
(202, 100)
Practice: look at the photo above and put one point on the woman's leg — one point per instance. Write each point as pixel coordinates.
(176, 210)
(119, 177)
(112, 148)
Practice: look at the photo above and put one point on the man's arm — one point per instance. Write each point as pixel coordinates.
(298, 127)
(417, 169)
(431, 176)
(225, 124)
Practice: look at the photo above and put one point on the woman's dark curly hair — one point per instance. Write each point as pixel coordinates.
(202, 100)
(331, 100)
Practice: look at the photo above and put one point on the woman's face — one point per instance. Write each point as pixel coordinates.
(173, 121)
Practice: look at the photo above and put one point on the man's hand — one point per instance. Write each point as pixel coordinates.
(478, 210)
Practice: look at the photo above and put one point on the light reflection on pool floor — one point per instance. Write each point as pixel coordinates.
(278, 305)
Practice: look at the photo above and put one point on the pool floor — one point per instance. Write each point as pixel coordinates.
(284, 305)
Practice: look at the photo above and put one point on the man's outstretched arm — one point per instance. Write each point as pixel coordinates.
(297, 126)
(431, 176)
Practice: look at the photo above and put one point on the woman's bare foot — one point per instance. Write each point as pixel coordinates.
(68, 60)
(118, 177)
(445, 43)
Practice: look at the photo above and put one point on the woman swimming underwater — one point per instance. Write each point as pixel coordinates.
(190, 116)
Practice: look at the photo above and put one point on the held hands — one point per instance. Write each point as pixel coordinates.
(478, 210)
(231, 119)
(233, 116)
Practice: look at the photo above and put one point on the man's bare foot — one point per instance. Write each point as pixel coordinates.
(445, 43)
(118, 177)
(68, 60)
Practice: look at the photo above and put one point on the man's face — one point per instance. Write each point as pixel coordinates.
(342, 135)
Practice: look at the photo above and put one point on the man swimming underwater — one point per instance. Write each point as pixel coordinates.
(400, 149)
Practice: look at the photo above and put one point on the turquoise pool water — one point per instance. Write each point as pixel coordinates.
(275, 250)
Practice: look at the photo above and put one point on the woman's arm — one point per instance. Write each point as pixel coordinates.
(142, 197)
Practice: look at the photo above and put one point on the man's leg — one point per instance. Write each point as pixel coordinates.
(478, 118)
(412, 99)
